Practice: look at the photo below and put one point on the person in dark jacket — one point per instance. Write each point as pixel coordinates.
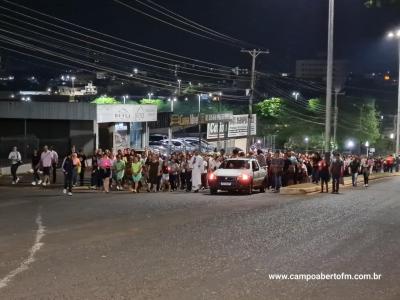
(68, 169)
(354, 167)
(35, 168)
(336, 170)
(323, 172)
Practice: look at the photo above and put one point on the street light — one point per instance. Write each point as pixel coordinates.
(306, 140)
(296, 95)
(396, 35)
(367, 146)
(350, 145)
(150, 95)
(125, 97)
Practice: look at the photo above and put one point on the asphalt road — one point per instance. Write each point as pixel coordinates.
(197, 246)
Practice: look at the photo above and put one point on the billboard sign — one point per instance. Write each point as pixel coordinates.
(126, 113)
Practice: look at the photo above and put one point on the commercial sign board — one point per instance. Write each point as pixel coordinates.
(126, 113)
(237, 127)
(193, 119)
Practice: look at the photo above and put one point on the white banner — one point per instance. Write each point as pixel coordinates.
(238, 127)
(126, 113)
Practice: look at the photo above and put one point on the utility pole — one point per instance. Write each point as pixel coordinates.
(254, 54)
(329, 76)
(336, 116)
(398, 110)
(200, 123)
(335, 119)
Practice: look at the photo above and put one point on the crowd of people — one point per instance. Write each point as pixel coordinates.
(148, 171)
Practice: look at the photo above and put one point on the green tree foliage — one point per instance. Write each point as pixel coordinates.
(105, 100)
(314, 105)
(270, 108)
(162, 106)
(291, 122)
(369, 124)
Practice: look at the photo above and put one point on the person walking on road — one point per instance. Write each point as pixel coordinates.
(197, 166)
(366, 168)
(35, 168)
(119, 172)
(15, 159)
(354, 169)
(323, 172)
(105, 165)
(54, 163)
(277, 165)
(83, 159)
(68, 170)
(46, 159)
(136, 170)
(336, 170)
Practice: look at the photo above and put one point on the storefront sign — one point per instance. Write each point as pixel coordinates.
(126, 113)
(186, 120)
(237, 127)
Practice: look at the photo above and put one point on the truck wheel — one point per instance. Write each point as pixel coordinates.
(262, 188)
(250, 189)
(213, 191)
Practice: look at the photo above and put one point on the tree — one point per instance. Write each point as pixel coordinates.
(314, 105)
(105, 100)
(270, 108)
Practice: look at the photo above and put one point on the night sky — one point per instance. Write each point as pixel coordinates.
(290, 29)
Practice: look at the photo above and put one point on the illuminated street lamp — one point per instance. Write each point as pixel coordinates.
(396, 35)
(125, 97)
(367, 146)
(296, 95)
(150, 95)
(350, 145)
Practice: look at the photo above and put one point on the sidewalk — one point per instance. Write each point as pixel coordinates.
(309, 188)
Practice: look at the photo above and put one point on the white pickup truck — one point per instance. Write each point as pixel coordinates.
(238, 174)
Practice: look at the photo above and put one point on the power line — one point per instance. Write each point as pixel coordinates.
(104, 53)
(191, 21)
(100, 40)
(226, 41)
(170, 14)
(192, 61)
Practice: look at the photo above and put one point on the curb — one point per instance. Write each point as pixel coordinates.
(305, 188)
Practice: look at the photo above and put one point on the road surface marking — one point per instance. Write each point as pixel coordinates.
(40, 233)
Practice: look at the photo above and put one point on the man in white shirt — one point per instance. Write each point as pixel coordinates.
(15, 159)
(196, 162)
(46, 159)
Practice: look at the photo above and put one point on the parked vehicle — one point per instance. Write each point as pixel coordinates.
(157, 137)
(158, 146)
(205, 146)
(238, 174)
